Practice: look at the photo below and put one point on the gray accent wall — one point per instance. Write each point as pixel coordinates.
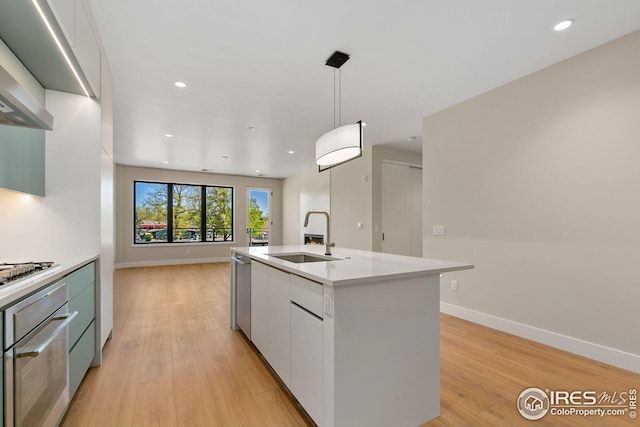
(538, 184)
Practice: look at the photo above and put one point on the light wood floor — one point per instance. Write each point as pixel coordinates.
(174, 361)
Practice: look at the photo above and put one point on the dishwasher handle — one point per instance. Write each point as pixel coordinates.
(241, 260)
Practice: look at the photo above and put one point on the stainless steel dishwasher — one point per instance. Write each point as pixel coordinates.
(241, 288)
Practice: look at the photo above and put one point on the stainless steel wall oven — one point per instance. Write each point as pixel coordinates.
(36, 357)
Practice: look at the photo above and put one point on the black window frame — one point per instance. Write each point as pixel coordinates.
(169, 210)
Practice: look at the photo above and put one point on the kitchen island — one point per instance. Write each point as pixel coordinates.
(355, 337)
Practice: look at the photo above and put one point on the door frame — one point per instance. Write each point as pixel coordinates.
(269, 192)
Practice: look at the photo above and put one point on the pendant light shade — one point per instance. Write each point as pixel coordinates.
(339, 145)
(343, 143)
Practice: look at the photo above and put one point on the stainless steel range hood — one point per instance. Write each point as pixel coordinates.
(18, 107)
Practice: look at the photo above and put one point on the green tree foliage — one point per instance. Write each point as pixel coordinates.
(219, 202)
(256, 218)
(186, 210)
(154, 205)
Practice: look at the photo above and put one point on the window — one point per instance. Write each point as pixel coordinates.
(182, 213)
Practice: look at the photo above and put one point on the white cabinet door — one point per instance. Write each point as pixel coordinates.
(86, 49)
(278, 347)
(64, 12)
(306, 361)
(259, 306)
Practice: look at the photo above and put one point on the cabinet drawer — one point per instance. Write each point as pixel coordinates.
(307, 362)
(85, 306)
(80, 279)
(307, 294)
(80, 358)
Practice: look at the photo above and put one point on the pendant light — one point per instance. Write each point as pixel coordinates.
(343, 143)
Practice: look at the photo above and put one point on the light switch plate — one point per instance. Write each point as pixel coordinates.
(438, 230)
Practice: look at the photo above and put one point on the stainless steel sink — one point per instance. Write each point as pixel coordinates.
(302, 257)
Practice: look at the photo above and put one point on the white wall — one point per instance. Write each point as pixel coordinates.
(66, 222)
(306, 191)
(537, 184)
(350, 192)
(130, 255)
(314, 196)
(351, 203)
(291, 210)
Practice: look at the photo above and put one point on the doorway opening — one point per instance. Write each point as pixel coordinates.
(401, 209)
(258, 220)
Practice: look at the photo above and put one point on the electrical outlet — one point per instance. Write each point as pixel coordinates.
(454, 285)
(438, 230)
(328, 304)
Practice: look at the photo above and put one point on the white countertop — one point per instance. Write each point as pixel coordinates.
(353, 266)
(15, 290)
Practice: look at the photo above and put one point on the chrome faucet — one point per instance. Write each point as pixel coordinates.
(328, 244)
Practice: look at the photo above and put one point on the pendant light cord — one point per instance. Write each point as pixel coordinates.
(334, 98)
(339, 97)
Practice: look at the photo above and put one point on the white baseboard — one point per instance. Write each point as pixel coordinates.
(598, 352)
(157, 263)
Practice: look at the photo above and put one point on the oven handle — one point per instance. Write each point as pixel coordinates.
(34, 351)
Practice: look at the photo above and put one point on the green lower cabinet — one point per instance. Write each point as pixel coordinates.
(80, 358)
(80, 279)
(2, 392)
(82, 329)
(84, 304)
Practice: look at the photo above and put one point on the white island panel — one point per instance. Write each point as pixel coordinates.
(385, 360)
(379, 316)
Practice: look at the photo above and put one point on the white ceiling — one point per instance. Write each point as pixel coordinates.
(260, 64)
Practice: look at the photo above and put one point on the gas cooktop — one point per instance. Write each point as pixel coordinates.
(16, 271)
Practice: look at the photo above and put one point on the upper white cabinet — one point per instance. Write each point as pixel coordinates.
(73, 19)
(65, 13)
(86, 48)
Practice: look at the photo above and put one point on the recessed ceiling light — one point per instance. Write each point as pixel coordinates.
(257, 171)
(290, 151)
(224, 157)
(563, 25)
(166, 163)
(412, 138)
(168, 135)
(180, 84)
(251, 128)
